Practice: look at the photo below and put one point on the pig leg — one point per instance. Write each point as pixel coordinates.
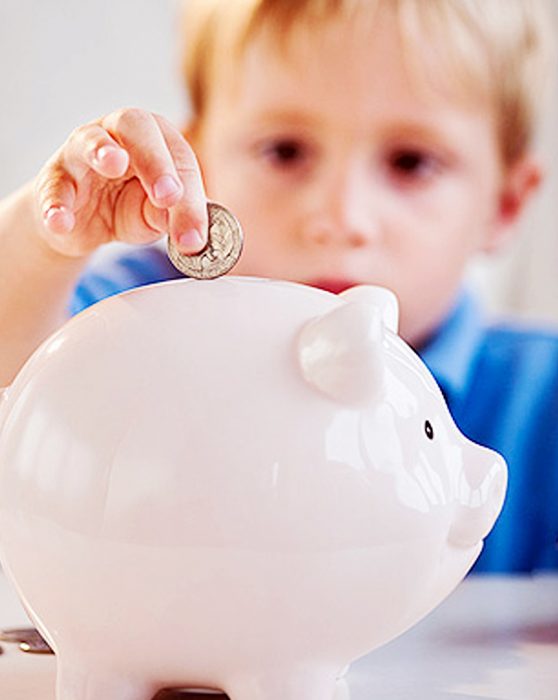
(299, 685)
(73, 683)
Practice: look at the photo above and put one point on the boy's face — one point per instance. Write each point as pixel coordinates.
(342, 172)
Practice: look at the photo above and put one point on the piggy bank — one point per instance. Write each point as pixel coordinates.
(237, 484)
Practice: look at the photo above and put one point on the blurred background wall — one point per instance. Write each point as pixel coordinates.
(63, 63)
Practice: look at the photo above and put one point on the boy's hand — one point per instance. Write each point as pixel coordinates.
(130, 176)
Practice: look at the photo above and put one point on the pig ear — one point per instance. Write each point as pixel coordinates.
(341, 354)
(380, 297)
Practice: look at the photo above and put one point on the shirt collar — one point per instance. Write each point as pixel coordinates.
(451, 352)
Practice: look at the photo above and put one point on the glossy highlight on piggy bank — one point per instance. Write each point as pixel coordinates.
(238, 484)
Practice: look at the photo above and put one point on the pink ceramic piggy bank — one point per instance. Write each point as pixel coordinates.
(235, 484)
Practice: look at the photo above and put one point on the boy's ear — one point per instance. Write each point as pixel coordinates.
(519, 182)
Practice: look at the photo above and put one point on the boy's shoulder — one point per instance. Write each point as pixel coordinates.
(525, 333)
(473, 354)
(525, 348)
(516, 377)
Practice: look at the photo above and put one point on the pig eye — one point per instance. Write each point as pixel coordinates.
(429, 430)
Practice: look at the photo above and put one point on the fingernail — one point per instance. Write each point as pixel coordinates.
(54, 212)
(57, 218)
(191, 241)
(105, 151)
(165, 186)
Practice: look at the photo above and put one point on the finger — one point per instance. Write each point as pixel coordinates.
(155, 218)
(56, 195)
(92, 147)
(188, 220)
(131, 223)
(150, 159)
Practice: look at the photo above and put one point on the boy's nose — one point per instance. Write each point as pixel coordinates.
(340, 211)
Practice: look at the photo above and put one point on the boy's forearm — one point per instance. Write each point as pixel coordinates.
(35, 284)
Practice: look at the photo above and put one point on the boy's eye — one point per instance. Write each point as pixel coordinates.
(411, 164)
(285, 152)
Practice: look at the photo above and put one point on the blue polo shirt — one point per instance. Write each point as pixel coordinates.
(501, 386)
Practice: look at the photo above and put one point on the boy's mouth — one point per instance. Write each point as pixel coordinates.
(333, 285)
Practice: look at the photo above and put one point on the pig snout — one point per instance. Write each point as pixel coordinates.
(480, 493)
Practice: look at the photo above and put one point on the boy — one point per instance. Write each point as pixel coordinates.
(379, 141)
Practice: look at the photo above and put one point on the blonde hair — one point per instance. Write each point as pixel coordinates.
(502, 48)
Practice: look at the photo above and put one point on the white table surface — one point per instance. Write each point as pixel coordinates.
(494, 638)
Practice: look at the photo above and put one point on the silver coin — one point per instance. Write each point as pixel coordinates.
(38, 647)
(223, 249)
(27, 638)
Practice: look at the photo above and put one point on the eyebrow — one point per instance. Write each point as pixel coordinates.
(415, 129)
(440, 135)
(421, 128)
(291, 116)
